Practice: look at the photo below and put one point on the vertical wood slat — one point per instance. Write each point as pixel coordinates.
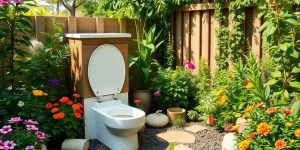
(256, 37)
(213, 42)
(195, 37)
(205, 35)
(99, 25)
(186, 37)
(72, 25)
(178, 40)
(40, 27)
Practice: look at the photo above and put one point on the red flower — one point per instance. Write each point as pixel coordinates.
(64, 99)
(69, 102)
(48, 105)
(286, 111)
(54, 110)
(76, 106)
(137, 101)
(211, 120)
(252, 136)
(76, 95)
(79, 111)
(77, 115)
(246, 81)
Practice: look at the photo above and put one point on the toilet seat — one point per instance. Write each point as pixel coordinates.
(106, 70)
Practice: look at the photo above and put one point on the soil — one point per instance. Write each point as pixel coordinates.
(209, 139)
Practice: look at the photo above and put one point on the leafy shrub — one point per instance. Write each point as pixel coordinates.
(177, 87)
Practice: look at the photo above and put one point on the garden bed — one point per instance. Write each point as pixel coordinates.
(207, 139)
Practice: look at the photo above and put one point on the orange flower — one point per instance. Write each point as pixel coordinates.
(59, 115)
(222, 100)
(286, 111)
(37, 93)
(48, 105)
(64, 99)
(211, 120)
(137, 101)
(252, 136)
(271, 110)
(79, 111)
(260, 105)
(55, 116)
(76, 106)
(55, 104)
(249, 109)
(77, 115)
(263, 129)
(69, 102)
(297, 133)
(76, 95)
(244, 145)
(54, 110)
(280, 144)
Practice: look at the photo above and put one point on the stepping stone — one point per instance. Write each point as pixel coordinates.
(176, 137)
(195, 128)
(182, 147)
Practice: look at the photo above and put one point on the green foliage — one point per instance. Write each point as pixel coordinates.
(178, 122)
(177, 87)
(143, 62)
(15, 29)
(171, 146)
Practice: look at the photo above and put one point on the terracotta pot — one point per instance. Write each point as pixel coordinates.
(176, 112)
(145, 97)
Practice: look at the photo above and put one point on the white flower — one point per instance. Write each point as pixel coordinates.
(21, 103)
(9, 88)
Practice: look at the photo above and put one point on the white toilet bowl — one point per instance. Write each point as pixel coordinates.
(118, 123)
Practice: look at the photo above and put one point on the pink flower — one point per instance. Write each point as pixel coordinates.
(4, 3)
(189, 65)
(40, 135)
(30, 122)
(228, 127)
(15, 120)
(1, 145)
(156, 94)
(18, 1)
(32, 128)
(29, 147)
(10, 144)
(6, 129)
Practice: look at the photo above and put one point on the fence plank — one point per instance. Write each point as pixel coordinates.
(72, 25)
(111, 26)
(256, 37)
(213, 42)
(99, 25)
(195, 37)
(186, 37)
(205, 36)
(86, 25)
(40, 27)
(178, 38)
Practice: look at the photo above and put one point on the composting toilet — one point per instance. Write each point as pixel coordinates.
(116, 124)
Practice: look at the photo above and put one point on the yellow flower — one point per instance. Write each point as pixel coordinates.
(292, 141)
(297, 133)
(37, 93)
(249, 86)
(249, 109)
(288, 124)
(244, 145)
(263, 129)
(234, 128)
(222, 100)
(220, 92)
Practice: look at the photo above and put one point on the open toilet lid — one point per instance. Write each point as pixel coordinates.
(106, 70)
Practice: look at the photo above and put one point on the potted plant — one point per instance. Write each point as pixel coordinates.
(143, 63)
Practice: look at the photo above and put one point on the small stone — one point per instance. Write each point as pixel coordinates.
(182, 147)
(195, 128)
(176, 137)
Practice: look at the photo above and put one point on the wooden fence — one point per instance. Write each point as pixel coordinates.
(194, 32)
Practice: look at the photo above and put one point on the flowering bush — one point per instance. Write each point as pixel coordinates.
(271, 128)
(67, 117)
(21, 134)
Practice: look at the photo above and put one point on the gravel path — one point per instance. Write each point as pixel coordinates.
(209, 139)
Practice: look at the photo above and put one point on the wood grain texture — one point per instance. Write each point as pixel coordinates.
(195, 37)
(205, 36)
(186, 37)
(256, 36)
(178, 38)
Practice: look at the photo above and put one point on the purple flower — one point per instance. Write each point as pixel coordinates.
(29, 147)
(10, 144)
(6, 129)
(40, 135)
(4, 3)
(189, 65)
(228, 127)
(18, 1)
(53, 82)
(15, 120)
(30, 122)
(32, 128)
(156, 94)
